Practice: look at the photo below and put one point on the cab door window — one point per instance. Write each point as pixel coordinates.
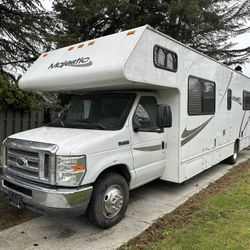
(145, 117)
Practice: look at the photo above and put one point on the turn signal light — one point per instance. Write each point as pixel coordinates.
(78, 168)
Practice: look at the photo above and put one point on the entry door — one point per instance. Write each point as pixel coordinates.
(148, 141)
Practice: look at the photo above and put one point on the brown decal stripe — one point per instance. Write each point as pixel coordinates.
(149, 148)
(188, 135)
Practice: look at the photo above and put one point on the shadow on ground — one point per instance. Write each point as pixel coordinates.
(10, 215)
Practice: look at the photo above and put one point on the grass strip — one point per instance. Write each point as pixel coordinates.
(218, 217)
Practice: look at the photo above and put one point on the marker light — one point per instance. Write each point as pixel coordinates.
(70, 48)
(91, 43)
(80, 45)
(45, 54)
(132, 32)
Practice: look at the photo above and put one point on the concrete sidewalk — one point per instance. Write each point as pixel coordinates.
(147, 203)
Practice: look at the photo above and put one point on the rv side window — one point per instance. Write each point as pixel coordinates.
(165, 59)
(246, 100)
(201, 96)
(229, 99)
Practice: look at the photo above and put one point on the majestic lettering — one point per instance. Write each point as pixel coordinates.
(80, 62)
(237, 99)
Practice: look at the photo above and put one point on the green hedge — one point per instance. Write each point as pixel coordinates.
(12, 97)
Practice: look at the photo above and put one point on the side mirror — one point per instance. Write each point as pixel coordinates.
(164, 116)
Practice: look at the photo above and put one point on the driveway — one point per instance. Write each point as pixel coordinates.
(147, 203)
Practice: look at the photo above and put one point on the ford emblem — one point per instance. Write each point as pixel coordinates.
(21, 162)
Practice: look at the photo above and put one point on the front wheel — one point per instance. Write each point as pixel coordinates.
(109, 200)
(233, 158)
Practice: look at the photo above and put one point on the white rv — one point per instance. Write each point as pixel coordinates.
(117, 132)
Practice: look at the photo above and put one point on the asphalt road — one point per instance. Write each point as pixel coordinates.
(147, 203)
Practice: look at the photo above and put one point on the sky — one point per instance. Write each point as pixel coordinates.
(241, 40)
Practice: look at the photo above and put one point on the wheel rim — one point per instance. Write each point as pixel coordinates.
(112, 201)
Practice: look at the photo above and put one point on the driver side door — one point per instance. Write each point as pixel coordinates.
(148, 141)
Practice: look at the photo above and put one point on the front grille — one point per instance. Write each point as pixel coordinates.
(30, 160)
(28, 164)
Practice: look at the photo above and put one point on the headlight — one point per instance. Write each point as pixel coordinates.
(70, 170)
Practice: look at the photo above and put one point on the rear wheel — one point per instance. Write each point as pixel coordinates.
(233, 158)
(109, 200)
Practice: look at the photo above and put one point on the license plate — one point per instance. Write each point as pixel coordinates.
(15, 199)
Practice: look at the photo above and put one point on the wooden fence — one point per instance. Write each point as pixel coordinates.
(16, 121)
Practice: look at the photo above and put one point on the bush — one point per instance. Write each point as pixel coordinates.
(12, 97)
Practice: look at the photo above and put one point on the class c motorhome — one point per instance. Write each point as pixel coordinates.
(144, 106)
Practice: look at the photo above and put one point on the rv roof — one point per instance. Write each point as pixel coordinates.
(83, 65)
(97, 64)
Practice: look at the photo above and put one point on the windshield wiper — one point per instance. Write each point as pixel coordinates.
(60, 119)
(61, 114)
(94, 123)
(58, 122)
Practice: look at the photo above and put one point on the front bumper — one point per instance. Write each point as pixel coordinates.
(44, 199)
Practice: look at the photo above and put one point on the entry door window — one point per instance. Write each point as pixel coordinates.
(145, 117)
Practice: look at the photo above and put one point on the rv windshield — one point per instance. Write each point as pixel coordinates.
(107, 111)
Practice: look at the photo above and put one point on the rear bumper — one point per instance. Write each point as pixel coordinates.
(72, 201)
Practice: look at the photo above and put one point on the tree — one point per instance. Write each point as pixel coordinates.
(25, 31)
(84, 19)
(206, 25)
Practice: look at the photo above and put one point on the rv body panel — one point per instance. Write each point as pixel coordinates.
(195, 142)
(192, 143)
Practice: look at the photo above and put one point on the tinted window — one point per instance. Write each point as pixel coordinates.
(246, 100)
(165, 59)
(145, 117)
(229, 99)
(201, 96)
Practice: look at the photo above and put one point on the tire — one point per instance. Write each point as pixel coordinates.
(109, 200)
(233, 158)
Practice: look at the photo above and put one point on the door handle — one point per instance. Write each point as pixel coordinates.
(162, 145)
